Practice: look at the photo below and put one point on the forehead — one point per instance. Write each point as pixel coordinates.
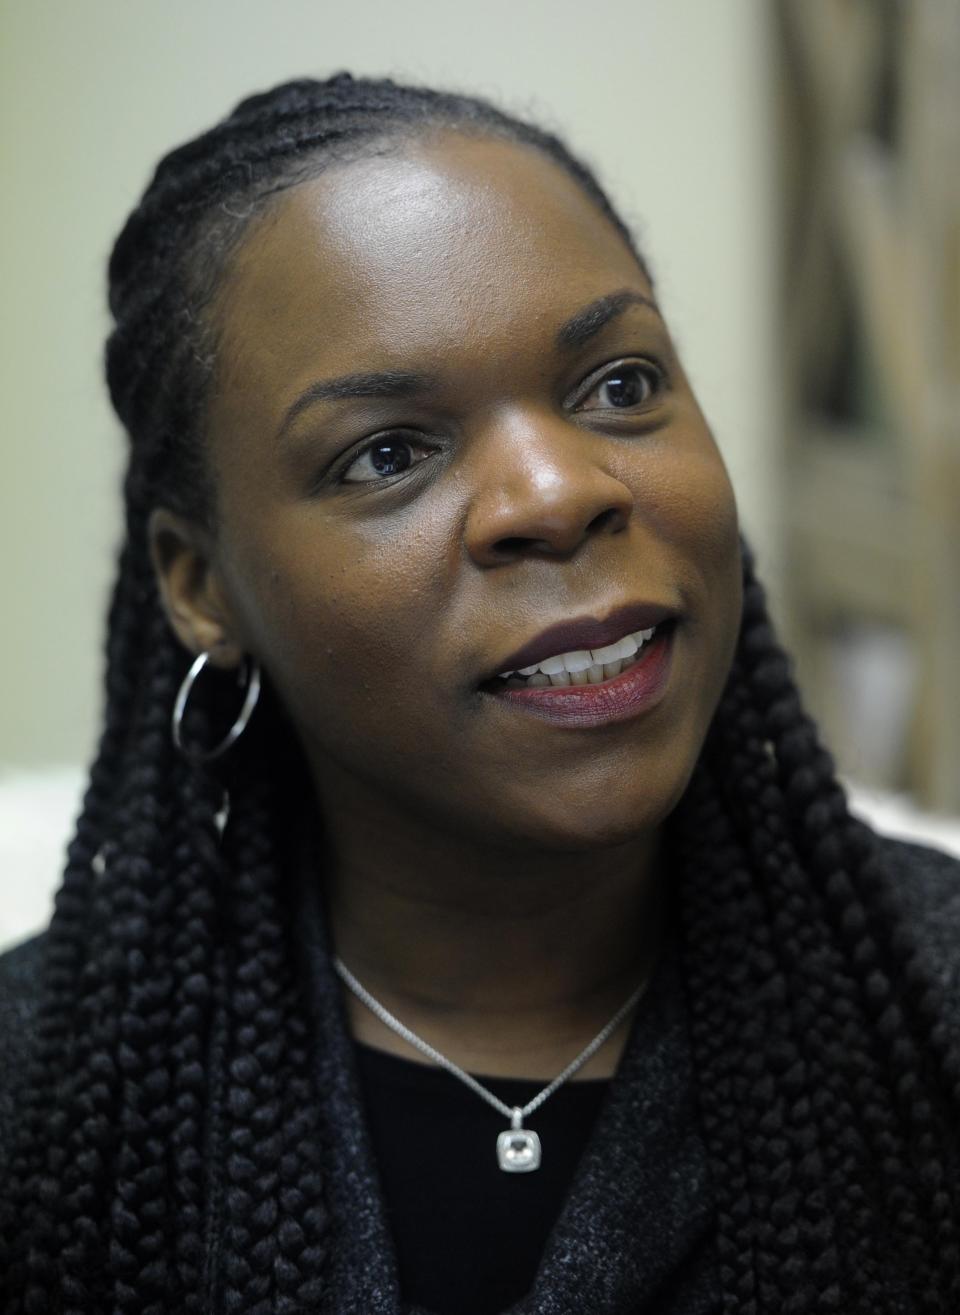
(434, 244)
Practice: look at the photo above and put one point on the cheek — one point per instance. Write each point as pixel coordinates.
(687, 508)
(337, 618)
(708, 519)
(718, 540)
(693, 501)
(690, 504)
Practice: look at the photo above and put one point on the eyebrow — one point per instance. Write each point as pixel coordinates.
(368, 383)
(580, 328)
(577, 330)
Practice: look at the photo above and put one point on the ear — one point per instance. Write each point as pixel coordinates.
(190, 587)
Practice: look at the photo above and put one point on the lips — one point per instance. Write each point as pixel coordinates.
(584, 633)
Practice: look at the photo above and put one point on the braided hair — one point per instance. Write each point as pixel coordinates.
(827, 1090)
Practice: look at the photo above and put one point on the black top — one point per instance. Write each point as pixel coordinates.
(468, 1236)
(622, 1221)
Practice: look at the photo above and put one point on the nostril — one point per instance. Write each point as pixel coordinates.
(512, 545)
(508, 549)
(611, 520)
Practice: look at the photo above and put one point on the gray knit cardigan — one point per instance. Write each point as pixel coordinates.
(604, 1258)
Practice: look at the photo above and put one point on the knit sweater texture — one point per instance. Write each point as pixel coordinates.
(632, 1214)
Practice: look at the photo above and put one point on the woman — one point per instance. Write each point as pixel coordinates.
(527, 794)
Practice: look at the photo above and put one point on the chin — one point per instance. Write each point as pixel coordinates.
(619, 814)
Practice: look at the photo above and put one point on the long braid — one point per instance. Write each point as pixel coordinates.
(195, 853)
(828, 1083)
(720, 914)
(275, 1219)
(830, 1124)
(786, 1153)
(43, 1112)
(865, 912)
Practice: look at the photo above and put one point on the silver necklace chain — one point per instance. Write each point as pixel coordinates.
(520, 1153)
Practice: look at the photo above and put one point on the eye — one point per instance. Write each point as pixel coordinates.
(387, 455)
(621, 387)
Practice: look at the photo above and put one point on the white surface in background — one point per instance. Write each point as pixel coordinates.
(37, 813)
(874, 670)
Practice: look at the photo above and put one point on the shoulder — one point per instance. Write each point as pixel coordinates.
(20, 976)
(20, 967)
(925, 885)
(20, 970)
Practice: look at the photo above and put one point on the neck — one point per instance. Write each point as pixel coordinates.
(507, 962)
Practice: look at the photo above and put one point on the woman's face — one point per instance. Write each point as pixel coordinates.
(448, 416)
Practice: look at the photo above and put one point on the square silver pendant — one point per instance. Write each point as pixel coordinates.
(518, 1151)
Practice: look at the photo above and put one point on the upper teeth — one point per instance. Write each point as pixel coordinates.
(583, 658)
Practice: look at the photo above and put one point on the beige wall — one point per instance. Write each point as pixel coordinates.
(670, 99)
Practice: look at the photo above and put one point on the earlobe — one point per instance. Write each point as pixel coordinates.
(190, 588)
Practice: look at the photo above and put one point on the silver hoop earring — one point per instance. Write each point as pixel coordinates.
(239, 726)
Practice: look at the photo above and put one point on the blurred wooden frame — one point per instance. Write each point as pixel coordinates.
(873, 519)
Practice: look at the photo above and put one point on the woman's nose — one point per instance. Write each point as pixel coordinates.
(541, 487)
